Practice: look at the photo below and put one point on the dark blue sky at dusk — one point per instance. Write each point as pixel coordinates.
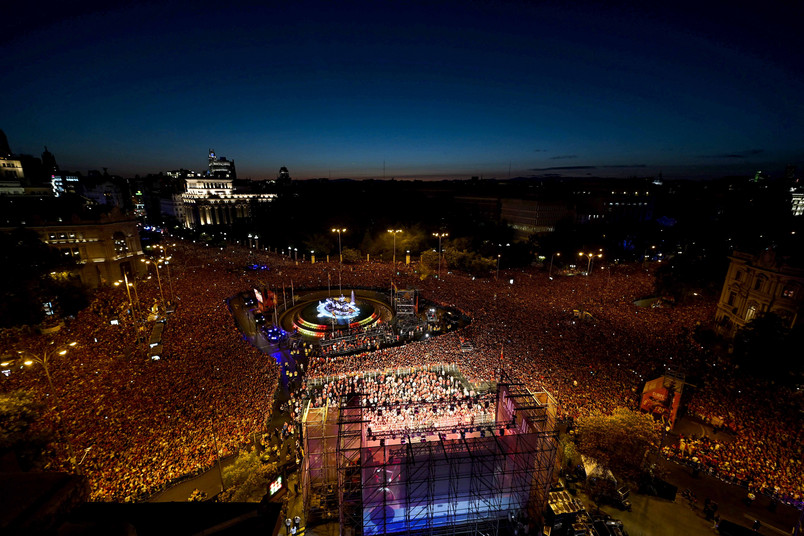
(433, 89)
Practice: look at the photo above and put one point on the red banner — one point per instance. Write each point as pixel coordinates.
(655, 399)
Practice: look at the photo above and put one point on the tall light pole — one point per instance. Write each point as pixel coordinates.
(440, 236)
(550, 272)
(394, 232)
(590, 256)
(340, 251)
(158, 279)
(167, 259)
(498, 266)
(128, 292)
(44, 359)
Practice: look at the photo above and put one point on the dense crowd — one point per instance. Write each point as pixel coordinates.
(413, 401)
(580, 338)
(368, 338)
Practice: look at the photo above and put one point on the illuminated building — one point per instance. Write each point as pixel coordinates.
(212, 200)
(797, 200)
(103, 249)
(755, 285)
(63, 183)
(220, 167)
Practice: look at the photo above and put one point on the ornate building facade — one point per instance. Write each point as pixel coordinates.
(103, 249)
(211, 199)
(755, 285)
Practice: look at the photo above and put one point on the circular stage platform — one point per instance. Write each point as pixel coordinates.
(317, 313)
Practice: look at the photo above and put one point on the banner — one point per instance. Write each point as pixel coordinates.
(661, 398)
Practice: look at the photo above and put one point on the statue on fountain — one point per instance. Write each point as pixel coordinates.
(338, 308)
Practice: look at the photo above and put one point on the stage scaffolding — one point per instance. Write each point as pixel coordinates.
(452, 480)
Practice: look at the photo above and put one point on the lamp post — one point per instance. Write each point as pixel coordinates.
(394, 232)
(340, 251)
(440, 236)
(128, 292)
(158, 278)
(550, 272)
(589, 262)
(44, 359)
(167, 259)
(645, 255)
(498, 266)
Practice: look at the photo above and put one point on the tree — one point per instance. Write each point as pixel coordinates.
(683, 276)
(19, 413)
(246, 479)
(764, 346)
(351, 256)
(618, 441)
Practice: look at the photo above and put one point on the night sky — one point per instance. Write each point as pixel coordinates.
(431, 89)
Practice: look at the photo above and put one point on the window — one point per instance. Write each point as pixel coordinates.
(759, 282)
(732, 297)
(738, 276)
(789, 291)
(120, 244)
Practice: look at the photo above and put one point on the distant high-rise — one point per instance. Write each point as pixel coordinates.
(5, 150)
(220, 167)
(283, 177)
(49, 162)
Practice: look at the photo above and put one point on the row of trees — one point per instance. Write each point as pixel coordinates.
(35, 274)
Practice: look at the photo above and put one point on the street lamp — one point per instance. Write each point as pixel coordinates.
(394, 232)
(124, 281)
(498, 266)
(340, 251)
(166, 258)
(158, 278)
(550, 272)
(44, 359)
(590, 256)
(440, 236)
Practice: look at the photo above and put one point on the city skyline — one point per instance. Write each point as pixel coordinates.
(408, 91)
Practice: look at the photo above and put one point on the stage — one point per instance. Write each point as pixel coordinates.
(445, 477)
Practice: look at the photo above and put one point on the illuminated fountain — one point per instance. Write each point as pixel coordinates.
(322, 315)
(338, 308)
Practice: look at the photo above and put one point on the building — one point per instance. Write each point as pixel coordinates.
(755, 285)
(797, 199)
(64, 183)
(220, 167)
(103, 249)
(531, 216)
(212, 199)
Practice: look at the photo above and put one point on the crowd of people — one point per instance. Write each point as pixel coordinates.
(368, 338)
(134, 425)
(140, 424)
(412, 401)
